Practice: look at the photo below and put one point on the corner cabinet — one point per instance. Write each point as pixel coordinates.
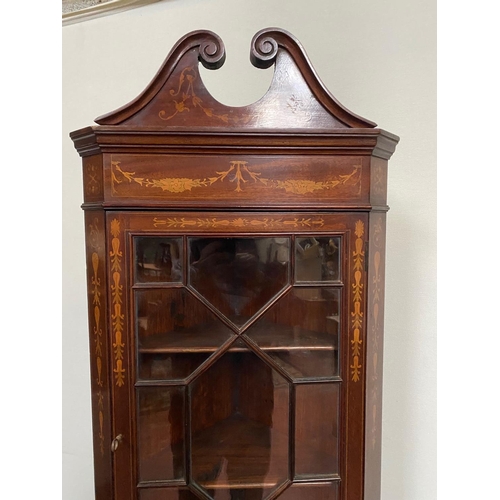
(235, 265)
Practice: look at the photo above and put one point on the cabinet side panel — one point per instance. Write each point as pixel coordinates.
(354, 365)
(99, 349)
(378, 182)
(93, 186)
(374, 353)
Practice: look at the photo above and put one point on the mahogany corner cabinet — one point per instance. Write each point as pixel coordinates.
(235, 266)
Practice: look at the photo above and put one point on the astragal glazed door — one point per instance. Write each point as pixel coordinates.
(238, 342)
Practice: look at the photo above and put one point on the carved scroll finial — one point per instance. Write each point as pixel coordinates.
(157, 104)
(263, 50)
(212, 51)
(267, 43)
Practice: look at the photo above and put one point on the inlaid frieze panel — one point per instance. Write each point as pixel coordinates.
(234, 179)
(246, 222)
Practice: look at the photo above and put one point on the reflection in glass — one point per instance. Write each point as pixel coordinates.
(314, 491)
(166, 494)
(239, 425)
(239, 276)
(176, 333)
(158, 259)
(300, 332)
(160, 430)
(169, 366)
(316, 429)
(317, 259)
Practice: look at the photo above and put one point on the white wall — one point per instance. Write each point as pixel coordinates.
(378, 59)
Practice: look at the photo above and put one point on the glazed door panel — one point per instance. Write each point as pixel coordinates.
(239, 348)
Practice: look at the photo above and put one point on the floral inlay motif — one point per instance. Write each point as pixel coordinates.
(96, 323)
(116, 293)
(239, 173)
(93, 183)
(297, 105)
(378, 180)
(376, 325)
(188, 100)
(239, 222)
(357, 290)
(171, 184)
(96, 292)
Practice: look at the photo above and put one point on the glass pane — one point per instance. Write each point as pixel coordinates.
(317, 259)
(301, 332)
(158, 259)
(160, 431)
(176, 333)
(169, 366)
(239, 276)
(167, 494)
(316, 429)
(313, 491)
(240, 427)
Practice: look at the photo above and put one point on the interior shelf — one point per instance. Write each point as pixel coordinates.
(269, 337)
(277, 337)
(200, 340)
